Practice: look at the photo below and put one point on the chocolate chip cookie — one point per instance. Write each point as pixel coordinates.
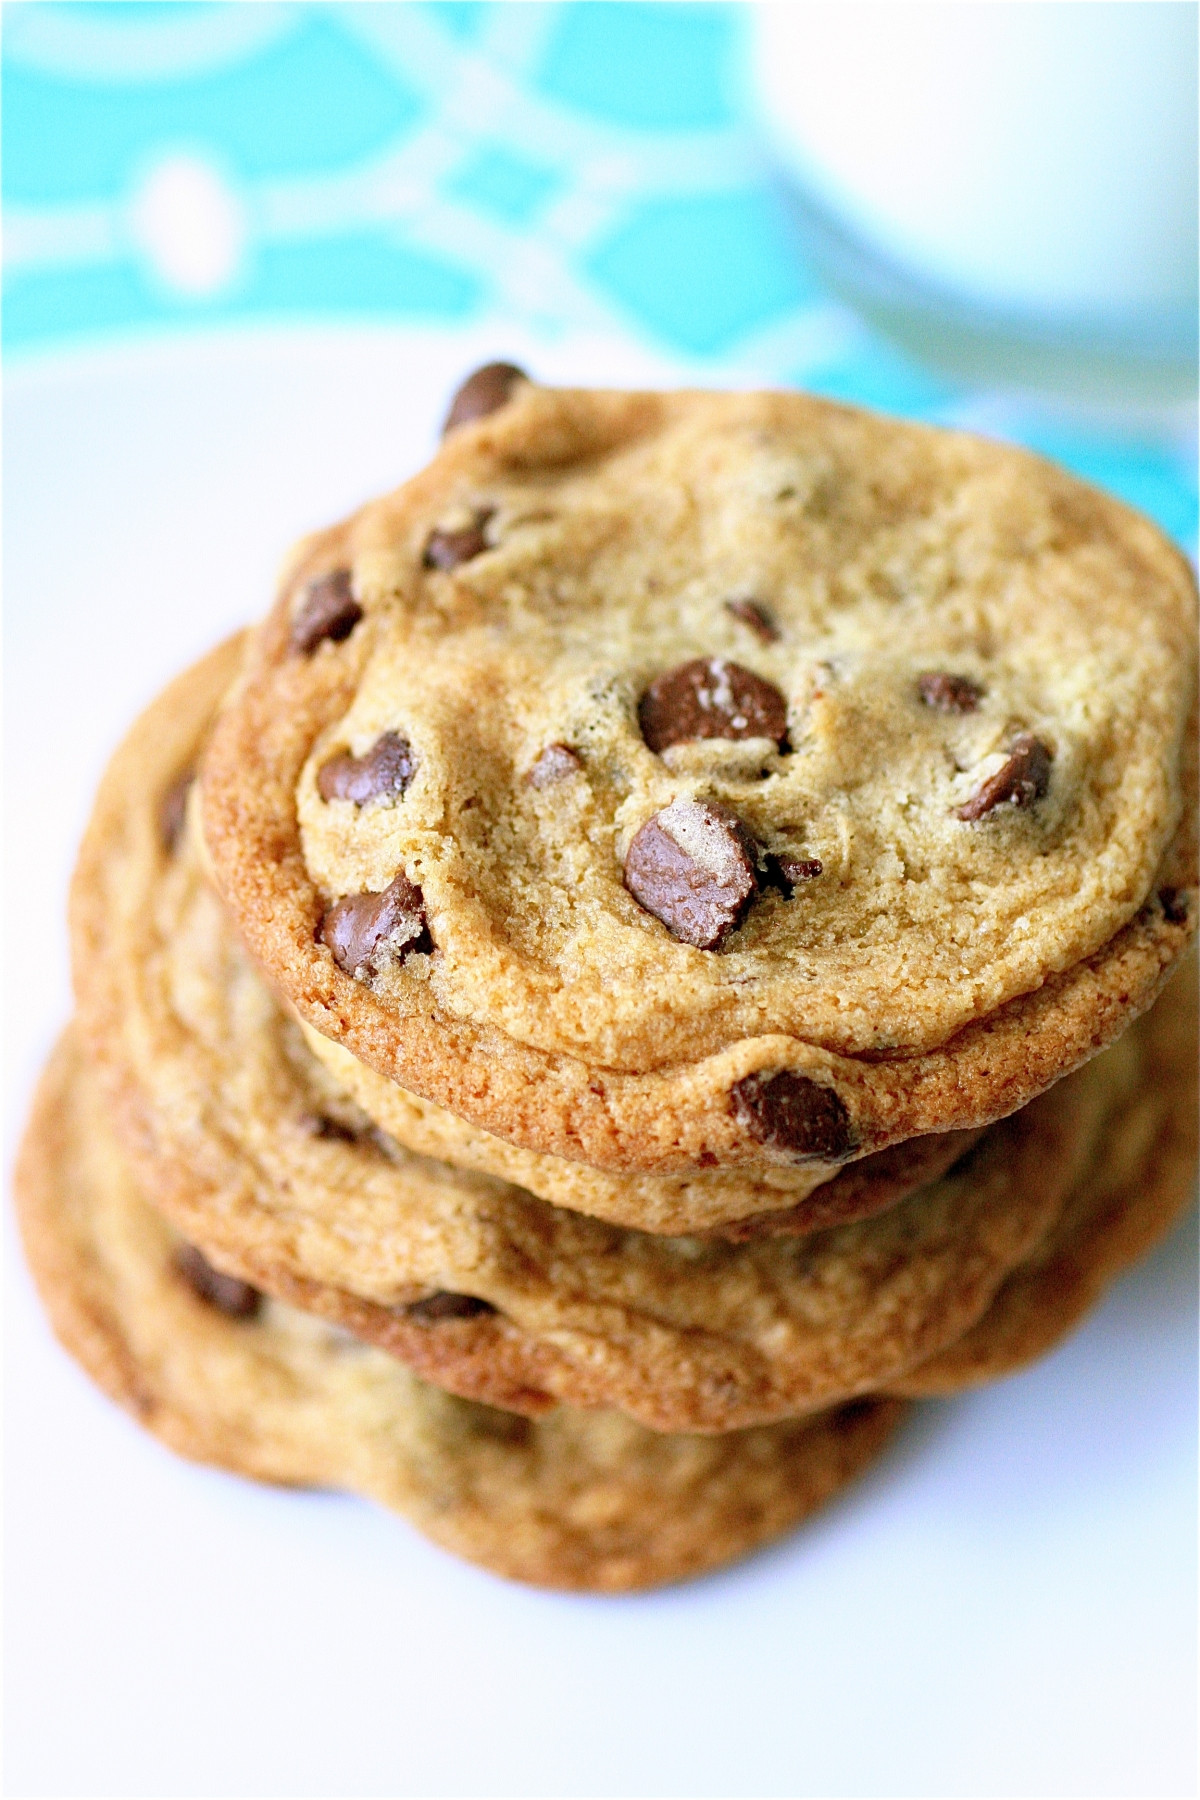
(577, 1500)
(246, 1142)
(717, 780)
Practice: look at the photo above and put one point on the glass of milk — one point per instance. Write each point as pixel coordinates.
(1009, 189)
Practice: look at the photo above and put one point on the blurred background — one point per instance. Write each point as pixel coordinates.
(976, 213)
(249, 250)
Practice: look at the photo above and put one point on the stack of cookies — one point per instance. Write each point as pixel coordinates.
(645, 962)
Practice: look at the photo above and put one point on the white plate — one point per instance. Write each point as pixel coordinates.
(1006, 1605)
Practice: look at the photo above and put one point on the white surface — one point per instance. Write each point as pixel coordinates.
(1005, 1606)
(1041, 156)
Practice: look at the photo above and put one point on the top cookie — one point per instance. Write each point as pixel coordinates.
(640, 727)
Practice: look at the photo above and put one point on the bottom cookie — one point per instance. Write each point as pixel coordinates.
(577, 1500)
(1140, 1177)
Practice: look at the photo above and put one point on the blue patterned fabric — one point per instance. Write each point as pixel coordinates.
(574, 167)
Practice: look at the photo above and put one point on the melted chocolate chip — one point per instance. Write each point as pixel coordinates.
(366, 932)
(1174, 903)
(694, 866)
(483, 392)
(555, 763)
(789, 1112)
(711, 698)
(381, 773)
(949, 693)
(237, 1299)
(1022, 780)
(783, 872)
(448, 549)
(445, 1305)
(328, 610)
(172, 809)
(758, 617)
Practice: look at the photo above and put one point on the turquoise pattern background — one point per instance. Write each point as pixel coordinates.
(589, 165)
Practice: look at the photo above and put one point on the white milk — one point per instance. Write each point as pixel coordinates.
(1035, 161)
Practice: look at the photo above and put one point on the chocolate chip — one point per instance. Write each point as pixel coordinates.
(783, 872)
(787, 1111)
(483, 392)
(381, 773)
(447, 549)
(237, 1299)
(366, 932)
(172, 808)
(555, 763)
(1174, 903)
(949, 693)
(758, 617)
(711, 698)
(694, 866)
(1020, 781)
(328, 610)
(321, 1125)
(445, 1305)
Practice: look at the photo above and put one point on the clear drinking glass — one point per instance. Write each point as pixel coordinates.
(1009, 190)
